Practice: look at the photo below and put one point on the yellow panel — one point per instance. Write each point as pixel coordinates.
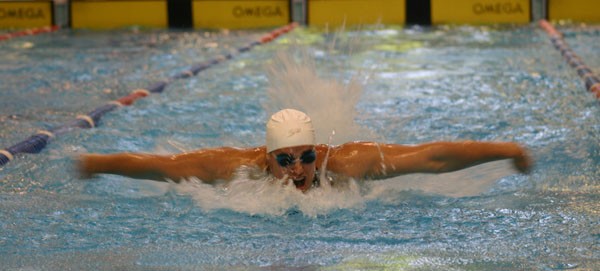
(114, 14)
(355, 12)
(240, 14)
(480, 11)
(576, 10)
(25, 14)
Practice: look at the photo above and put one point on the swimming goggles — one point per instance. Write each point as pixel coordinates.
(285, 159)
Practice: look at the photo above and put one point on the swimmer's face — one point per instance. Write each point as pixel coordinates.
(298, 163)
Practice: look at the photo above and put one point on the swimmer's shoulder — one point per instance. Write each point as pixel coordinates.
(346, 147)
(228, 150)
(225, 155)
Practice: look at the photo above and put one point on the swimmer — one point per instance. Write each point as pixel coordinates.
(291, 153)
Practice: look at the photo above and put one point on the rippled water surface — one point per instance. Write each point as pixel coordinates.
(399, 85)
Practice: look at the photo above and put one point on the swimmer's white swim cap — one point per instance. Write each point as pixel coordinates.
(289, 128)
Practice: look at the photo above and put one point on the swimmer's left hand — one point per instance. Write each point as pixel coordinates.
(83, 167)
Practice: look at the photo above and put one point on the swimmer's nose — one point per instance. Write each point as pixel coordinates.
(296, 167)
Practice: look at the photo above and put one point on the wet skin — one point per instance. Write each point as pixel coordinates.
(358, 160)
(302, 174)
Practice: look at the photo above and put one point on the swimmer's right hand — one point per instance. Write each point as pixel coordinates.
(522, 161)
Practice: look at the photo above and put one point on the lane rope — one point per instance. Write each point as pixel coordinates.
(591, 81)
(29, 32)
(36, 142)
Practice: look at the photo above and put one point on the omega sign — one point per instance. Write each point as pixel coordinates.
(257, 11)
(21, 13)
(497, 8)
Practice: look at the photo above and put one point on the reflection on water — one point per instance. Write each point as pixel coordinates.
(398, 85)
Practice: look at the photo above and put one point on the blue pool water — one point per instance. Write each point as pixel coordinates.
(399, 85)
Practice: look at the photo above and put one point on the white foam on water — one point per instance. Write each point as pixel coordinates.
(260, 193)
(267, 195)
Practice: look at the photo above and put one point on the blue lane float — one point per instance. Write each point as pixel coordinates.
(37, 142)
(33, 144)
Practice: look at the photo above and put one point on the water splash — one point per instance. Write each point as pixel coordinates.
(255, 192)
(294, 83)
(323, 174)
(267, 195)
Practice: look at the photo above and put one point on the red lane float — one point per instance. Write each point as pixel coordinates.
(136, 94)
(29, 32)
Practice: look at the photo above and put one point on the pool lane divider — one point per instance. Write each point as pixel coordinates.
(39, 140)
(592, 82)
(29, 32)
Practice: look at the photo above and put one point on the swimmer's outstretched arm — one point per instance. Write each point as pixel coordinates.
(207, 165)
(378, 161)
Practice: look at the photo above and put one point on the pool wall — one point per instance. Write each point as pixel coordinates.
(238, 14)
